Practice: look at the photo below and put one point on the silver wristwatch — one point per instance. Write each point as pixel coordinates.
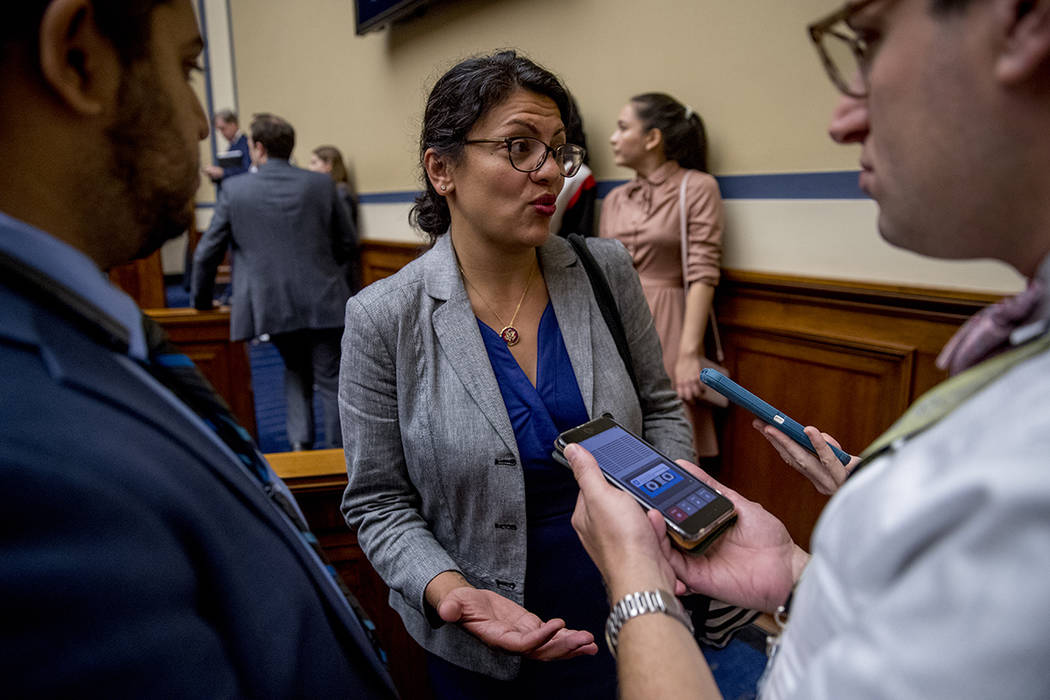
(642, 603)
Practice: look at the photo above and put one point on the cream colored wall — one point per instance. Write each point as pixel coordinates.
(743, 65)
(747, 66)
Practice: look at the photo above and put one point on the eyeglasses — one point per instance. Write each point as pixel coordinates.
(528, 154)
(844, 53)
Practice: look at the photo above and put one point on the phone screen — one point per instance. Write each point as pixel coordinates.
(658, 482)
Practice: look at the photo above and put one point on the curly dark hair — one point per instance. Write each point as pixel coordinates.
(685, 139)
(461, 97)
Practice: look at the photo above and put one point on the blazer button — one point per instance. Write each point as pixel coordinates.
(506, 585)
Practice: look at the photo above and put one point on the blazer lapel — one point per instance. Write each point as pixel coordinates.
(570, 293)
(456, 328)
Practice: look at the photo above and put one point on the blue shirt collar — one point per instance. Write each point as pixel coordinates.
(75, 271)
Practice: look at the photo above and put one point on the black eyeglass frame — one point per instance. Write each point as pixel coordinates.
(822, 27)
(549, 150)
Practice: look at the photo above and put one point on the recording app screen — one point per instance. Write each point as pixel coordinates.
(665, 486)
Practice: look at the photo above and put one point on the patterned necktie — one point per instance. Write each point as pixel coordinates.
(987, 333)
(178, 373)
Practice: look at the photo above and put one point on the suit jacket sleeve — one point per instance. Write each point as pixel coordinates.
(381, 501)
(210, 251)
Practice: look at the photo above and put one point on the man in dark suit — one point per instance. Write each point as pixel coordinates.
(226, 124)
(292, 238)
(147, 549)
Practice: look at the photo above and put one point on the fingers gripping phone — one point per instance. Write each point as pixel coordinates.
(745, 399)
(695, 513)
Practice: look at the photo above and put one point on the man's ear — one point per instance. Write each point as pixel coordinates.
(1026, 39)
(439, 171)
(79, 64)
(257, 149)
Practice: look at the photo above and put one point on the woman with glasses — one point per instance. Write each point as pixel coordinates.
(664, 142)
(458, 374)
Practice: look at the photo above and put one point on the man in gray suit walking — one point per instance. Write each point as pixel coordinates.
(292, 240)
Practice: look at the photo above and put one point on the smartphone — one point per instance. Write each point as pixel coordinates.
(696, 514)
(745, 399)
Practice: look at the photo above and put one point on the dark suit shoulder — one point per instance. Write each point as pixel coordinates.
(123, 516)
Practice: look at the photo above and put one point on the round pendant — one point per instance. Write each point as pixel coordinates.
(509, 335)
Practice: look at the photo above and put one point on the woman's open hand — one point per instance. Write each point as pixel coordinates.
(503, 624)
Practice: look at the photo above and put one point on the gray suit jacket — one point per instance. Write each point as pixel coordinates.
(292, 238)
(435, 482)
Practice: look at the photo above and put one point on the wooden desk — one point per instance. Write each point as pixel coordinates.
(318, 479)
(311, 470)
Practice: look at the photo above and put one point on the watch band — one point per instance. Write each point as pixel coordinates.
(642, 603)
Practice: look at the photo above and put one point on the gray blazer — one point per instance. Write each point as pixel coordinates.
(435, 482)
(292, 238)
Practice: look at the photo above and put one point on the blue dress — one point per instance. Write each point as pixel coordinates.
(560, 579)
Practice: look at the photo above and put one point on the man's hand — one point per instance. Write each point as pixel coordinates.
(214, 172)
(615, 532)
(503, 624)
(824, 470)
(754, 564)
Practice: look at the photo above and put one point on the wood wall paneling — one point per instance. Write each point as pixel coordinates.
(381, 259)
(844, 356)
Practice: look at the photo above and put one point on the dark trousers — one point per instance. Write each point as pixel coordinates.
(311, 357)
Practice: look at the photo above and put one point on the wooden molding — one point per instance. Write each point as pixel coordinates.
(381, 259)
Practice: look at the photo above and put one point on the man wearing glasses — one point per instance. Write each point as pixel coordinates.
(927, 578)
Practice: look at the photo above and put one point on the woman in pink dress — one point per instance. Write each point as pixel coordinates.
(664, 142)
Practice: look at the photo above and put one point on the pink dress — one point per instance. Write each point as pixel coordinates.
(643, 214)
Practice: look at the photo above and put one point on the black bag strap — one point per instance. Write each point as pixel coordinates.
(606, 303)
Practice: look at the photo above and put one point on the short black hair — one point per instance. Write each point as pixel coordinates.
(462, 96)
(275, 134)
(126, 23)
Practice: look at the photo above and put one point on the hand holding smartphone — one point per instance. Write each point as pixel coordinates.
(695, 513)
(745, 399)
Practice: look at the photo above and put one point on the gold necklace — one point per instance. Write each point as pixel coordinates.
(509, 334)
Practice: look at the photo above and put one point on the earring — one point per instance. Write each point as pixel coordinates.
(444, 187)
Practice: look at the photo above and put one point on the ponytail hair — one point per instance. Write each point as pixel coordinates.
(684, 136)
